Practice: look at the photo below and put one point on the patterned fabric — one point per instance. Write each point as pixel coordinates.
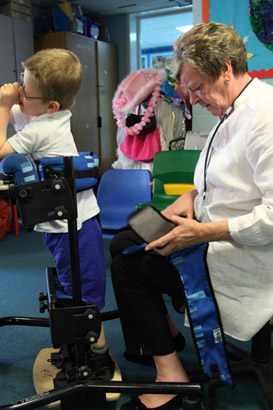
(202, 309)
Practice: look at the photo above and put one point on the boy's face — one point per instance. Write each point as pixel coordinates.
(30, 99)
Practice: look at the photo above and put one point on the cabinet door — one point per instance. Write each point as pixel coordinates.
(23, 41)
(7, 66)
(107, 85)
(85, 111)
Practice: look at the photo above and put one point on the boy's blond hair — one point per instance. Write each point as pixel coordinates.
(58, 74)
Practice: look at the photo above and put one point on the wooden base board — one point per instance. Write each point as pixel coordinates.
(44, 373)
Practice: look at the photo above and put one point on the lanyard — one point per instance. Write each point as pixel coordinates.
(208, 153)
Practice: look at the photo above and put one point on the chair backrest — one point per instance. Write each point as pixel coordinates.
(175, 166)
(118, 193)
(173, 173)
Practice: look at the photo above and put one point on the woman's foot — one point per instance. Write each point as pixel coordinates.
(169, 370)
(135, 403)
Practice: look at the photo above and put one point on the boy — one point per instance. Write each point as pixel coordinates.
(39, 110)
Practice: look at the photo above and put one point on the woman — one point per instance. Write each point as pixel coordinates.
(232, 205)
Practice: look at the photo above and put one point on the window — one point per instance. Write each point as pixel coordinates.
(158, 34)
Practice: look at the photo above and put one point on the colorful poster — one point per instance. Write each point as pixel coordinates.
(253, 20)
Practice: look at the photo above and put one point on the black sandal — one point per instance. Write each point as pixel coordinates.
(135, 404)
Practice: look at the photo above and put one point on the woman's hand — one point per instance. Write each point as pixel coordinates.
(187, 233)
(184, 205)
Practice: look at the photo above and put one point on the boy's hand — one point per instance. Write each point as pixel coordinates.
(9, 95)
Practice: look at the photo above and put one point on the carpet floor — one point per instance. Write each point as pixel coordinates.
(23, 262)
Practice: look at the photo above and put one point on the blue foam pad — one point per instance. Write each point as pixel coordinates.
(21, 166)
(26, 171)
(84, 162)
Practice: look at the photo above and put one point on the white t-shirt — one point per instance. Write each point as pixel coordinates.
(49, 135)
(240, 189)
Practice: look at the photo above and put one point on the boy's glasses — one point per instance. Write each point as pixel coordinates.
(27, 97)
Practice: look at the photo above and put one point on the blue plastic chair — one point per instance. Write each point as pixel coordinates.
(119, 191)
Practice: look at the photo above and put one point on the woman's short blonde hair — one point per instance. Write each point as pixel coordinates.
(207, 47)
(58, 74)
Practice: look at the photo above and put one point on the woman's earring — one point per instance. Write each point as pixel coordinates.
(227, 80)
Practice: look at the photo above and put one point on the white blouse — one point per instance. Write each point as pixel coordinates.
(240, 189)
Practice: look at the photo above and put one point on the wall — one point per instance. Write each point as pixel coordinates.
(118, 31)
(202, 120)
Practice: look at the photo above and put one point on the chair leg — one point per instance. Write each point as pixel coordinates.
(259, 361)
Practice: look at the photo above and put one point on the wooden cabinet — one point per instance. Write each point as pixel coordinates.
(92, 121)
(107, 81)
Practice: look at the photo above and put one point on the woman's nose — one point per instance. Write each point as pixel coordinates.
(194, 99)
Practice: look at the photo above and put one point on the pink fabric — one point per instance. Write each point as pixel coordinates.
(141, 147)
(132, 84)
(130, 94)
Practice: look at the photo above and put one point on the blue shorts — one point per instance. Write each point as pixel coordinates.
(92, 264)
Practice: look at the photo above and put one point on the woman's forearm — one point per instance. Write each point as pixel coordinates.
(215, 231)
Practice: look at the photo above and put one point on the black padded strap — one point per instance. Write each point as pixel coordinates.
(88, 173)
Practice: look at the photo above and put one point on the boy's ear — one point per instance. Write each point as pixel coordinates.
(53, 107)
